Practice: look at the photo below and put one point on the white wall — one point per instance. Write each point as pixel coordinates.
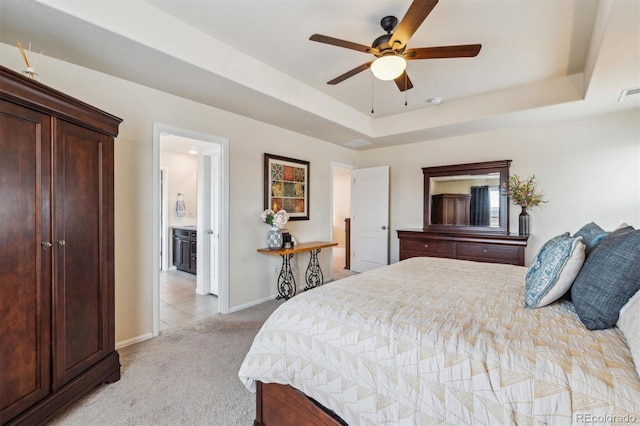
(182, 177)
(588, 168)
(250, 275)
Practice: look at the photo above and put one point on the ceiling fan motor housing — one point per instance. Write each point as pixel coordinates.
(382, 42)
(388, 23)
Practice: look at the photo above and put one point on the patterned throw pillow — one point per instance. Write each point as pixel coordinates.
(629, 324)
(555, 267)
(609, 277)
(591, 235)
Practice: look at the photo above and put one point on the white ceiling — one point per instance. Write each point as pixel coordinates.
(540, 59)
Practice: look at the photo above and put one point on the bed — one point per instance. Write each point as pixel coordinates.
(436, 341)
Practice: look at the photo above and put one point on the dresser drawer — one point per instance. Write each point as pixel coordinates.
(488, 253)
(429, 248)
(509, 249)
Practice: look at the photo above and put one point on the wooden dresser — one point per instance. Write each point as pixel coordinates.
(447, 231)
(508, 249)
(57, 338)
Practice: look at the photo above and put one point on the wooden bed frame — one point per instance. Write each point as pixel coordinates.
(283, 405)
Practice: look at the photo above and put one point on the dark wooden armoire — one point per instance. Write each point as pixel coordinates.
(450, 209)
(57, 338)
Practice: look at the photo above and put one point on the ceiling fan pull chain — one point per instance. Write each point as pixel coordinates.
(406, 89)
(372, 93)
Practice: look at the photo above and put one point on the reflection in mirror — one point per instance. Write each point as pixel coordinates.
(466, 200)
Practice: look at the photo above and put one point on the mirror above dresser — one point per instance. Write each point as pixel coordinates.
(465, 216)
(463, 198)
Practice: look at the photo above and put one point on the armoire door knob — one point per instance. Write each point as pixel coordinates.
(46, 244)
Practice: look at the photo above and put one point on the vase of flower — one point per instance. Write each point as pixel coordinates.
(274, 238)
(523, 223)
(522, 192)
(277, 220)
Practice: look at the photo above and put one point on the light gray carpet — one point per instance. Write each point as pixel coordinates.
(186, 376)
(338, 264)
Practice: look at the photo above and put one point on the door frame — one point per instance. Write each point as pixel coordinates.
(164, 220)
(223, 296)
(335, 165)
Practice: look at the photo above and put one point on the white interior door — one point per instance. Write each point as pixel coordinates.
(369, 218)
(213, 222)
(209, 226)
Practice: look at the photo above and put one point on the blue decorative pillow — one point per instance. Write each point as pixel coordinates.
(552, 272)
(609, 277)
(591, 234)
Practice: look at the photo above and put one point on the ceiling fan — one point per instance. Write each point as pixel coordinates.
(391, 51)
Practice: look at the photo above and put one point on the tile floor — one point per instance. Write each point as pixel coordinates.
(179, 303)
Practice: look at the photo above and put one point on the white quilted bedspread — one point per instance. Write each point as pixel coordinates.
(433, 341)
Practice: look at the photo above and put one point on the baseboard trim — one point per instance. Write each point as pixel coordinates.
(250, 304)
(133, 340)
(148, 336)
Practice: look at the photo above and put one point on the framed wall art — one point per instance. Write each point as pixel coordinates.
(286, 186)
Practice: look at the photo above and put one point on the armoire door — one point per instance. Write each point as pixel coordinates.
(449, 211)
(83, 212)
(25, 264)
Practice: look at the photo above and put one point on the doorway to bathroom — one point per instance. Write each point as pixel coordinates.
(191, 189)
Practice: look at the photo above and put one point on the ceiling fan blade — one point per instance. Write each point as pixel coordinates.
(460, 51)
(350, 73)
(417, 13)
(403, 82)
(343, 43)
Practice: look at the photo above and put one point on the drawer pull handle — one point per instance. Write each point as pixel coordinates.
(426, 246)
(484, 251)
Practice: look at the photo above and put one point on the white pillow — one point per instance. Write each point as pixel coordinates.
(622, 225)
(629, 324)
(553, 270)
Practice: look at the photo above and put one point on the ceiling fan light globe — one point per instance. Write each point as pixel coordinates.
(388, 67)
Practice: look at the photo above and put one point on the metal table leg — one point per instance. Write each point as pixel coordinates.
(286, 281)
(313, 276)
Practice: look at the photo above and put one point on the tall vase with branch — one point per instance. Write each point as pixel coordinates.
(522, 192)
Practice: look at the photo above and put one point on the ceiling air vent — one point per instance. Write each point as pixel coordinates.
(356, 143)
(630, 95)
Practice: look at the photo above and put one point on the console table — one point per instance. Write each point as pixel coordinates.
(313, 276)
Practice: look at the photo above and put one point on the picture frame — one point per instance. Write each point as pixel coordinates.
(286, 186)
